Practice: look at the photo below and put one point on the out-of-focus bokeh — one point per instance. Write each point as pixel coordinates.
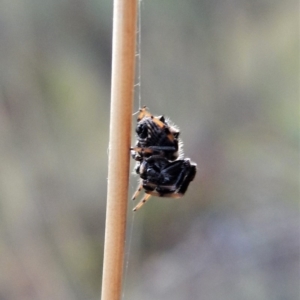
(227, 73)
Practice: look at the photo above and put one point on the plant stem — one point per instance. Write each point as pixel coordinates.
(123, 65)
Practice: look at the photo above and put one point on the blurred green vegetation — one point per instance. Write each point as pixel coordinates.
(227, 73)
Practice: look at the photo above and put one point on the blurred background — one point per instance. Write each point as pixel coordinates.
(227, 73)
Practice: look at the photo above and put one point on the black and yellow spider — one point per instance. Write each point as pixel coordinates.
(159, 160)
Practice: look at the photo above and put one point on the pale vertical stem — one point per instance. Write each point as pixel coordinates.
(123, 65)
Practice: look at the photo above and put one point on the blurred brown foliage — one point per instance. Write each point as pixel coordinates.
(227, 73)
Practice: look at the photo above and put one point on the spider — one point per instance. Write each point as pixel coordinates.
(159, 159)
(163, 178)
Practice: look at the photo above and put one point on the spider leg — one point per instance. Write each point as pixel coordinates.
(142, 150)
(152, 149)
(188, 178)
(138, 190)
(142, 202)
